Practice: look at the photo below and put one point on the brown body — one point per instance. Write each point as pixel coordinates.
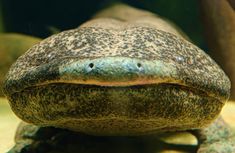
(117, 77)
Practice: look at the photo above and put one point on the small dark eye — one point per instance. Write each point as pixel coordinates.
(91, 65)
(139, 65)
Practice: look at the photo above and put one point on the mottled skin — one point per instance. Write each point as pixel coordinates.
(12, 45)
(118, 76)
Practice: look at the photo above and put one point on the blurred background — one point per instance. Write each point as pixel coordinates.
(43, 17)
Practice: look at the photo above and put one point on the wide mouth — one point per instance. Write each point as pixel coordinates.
(115, 72)
(120, 85)
(107, 85)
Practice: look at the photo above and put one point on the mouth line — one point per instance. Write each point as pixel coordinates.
(113, 85)
(103, 83)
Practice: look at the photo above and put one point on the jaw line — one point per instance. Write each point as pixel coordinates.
(129, 85)
(140, 82)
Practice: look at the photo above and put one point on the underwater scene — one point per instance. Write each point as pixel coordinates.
(117, 76)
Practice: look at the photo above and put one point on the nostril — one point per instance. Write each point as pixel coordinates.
(139, 65)
(91, 65)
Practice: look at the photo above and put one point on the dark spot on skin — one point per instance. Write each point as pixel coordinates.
(139, 65)
(91, 65)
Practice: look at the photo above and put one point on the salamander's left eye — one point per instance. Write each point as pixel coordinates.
(139, 65)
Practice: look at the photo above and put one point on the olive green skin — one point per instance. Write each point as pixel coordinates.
(118, 77)
(165, 83)
(135, 110)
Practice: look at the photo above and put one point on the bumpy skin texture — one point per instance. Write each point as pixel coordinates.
(113, 77)
(45, 62)
(12, 45)
(65, 59)
(115, 51)
(117, 110)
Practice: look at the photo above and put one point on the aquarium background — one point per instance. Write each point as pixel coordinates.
(42, 18)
